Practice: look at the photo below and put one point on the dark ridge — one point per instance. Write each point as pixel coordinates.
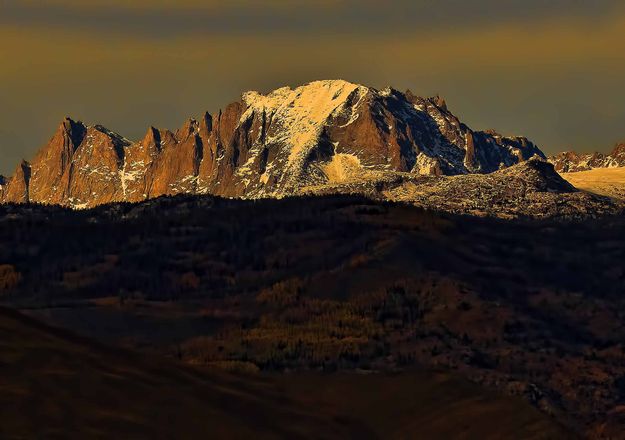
(26, 171)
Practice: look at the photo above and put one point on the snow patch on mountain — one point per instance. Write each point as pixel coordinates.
(570, 161)
(325, 133)
(299, 117)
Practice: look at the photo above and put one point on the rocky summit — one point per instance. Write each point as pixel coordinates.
(287, 142)
(570, 161)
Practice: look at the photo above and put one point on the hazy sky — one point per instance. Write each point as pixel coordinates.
(551, 70)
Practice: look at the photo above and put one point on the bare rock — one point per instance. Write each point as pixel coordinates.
(323, 135)
(570, 161)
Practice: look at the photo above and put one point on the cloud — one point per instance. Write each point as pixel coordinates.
(213, 5)
(164, 19)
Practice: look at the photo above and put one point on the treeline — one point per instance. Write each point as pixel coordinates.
(296, 330)
(180, 250)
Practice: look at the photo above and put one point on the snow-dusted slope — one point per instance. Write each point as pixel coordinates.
(335, 130)
(570, 162)
(282, 143)
(293, 124)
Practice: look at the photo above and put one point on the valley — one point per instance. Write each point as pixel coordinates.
(526, 308)
(77, 388)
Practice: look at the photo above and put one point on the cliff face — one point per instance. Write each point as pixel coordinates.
(3, 183)
(78, 167)
(570, 161)
(273, 145)
(16, 188)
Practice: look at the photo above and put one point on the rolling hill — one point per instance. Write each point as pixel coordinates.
(56, 385)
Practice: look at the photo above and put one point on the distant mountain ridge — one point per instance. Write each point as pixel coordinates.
(274, 145)
(570, 161)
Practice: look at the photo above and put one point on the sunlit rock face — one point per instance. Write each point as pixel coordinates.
(570, 161)
(283, 143)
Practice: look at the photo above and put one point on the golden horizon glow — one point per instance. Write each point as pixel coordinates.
(557, 79)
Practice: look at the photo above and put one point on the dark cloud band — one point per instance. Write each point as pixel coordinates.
(348, 16)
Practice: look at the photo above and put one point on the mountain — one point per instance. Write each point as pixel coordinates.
(570, 161)
(79, 165)
(274, 145)
(529, 189)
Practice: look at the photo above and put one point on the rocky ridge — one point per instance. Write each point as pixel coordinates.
(570, 161)
(532, 189)
(326, 133)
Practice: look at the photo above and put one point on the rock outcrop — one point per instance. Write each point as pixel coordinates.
(16, 188)
(273, 145)
(570, 161)
(79, 167)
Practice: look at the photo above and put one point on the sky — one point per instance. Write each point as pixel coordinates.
(553, 71)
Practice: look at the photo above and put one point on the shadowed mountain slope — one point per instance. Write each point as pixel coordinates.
(56, 385)
(527, 308)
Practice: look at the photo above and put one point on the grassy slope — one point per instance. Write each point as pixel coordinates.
(423, 405)
(603, 181)
(53, 384)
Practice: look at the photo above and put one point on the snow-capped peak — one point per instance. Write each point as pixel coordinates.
(300, 114)
(274, 144)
